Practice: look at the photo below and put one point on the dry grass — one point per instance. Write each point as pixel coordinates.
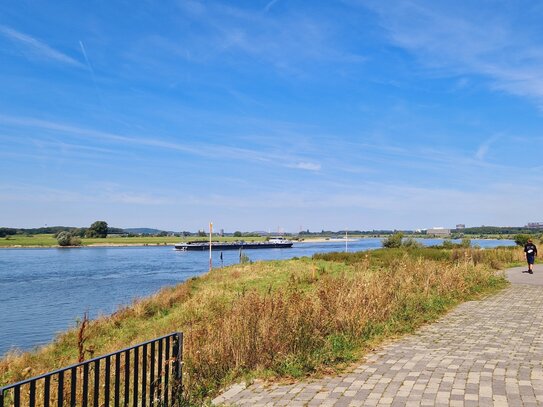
(287, 318)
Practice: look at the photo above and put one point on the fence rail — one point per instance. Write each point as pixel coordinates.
(148, 375)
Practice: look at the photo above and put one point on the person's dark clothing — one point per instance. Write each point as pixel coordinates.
(531, 251)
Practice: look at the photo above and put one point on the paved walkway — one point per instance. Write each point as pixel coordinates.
(483, 353)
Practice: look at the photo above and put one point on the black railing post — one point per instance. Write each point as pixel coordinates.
(167, 371)
(96, 383)
(117, 380)
(32, 395)
(85, 395)
(144, 376)
(73, 385)
(159, 376)
(126, 378)
(60, 389)
(177, 387)
(135, 388)
(1, 397)
(108, 381)
(46, 391)
(152, 376)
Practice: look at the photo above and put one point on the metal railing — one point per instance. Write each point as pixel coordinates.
(148, 374)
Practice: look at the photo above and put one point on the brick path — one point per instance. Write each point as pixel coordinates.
(483, 353)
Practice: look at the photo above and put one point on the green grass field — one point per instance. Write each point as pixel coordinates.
(50, 241)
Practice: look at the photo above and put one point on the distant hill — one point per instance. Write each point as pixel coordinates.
(145, 231)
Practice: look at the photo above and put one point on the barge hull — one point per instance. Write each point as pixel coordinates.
(232, 246)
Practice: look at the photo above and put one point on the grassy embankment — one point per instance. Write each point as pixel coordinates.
(286, 318)
(46, 240)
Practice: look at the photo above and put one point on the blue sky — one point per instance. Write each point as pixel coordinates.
(271, 115)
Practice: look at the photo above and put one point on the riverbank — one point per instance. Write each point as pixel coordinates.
(48, 241)
(37, 241)
(284, 318)
(44, 241)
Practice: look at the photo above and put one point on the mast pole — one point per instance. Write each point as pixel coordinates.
(210, 233)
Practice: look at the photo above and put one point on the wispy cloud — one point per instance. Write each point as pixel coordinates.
(288, 43)
(456, 40)
(270, 5)
(206, 150)
(37, 47)
(97, 193)
(307, 166)
(484, 147)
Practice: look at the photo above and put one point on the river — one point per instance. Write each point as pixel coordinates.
(44, 291)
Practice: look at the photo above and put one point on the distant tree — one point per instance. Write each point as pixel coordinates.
(67, 239)
(237, 233)
(7, 232)
(80, 232)
(521, 240)
(97, 229)
(116, 231)
(393, 241)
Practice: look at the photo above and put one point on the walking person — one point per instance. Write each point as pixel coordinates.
(531, 251)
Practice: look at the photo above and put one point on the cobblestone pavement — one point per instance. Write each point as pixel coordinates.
(483, 353)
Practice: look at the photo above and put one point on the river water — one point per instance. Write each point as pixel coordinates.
(44, 291)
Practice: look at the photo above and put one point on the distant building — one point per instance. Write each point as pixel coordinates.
(438, 232)
(460, 226)
(535, 225)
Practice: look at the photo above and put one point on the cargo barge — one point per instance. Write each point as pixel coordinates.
(216, 246)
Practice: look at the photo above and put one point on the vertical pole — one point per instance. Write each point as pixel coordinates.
(32, 401)
(60, 390)
(73, 388)
(85, 395)
(117, 380)
(47, 391)
(108, 381)
(346, 244)
(96, 397)
(126, 377)
(210, 234)
(144, 377)
(135, 387)
(152, 375)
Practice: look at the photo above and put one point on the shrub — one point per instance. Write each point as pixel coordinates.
(393, 241)
(411, 243)
(67, 239)
(466, 242)
(244, 259)
(521, 240)
(448, 244)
